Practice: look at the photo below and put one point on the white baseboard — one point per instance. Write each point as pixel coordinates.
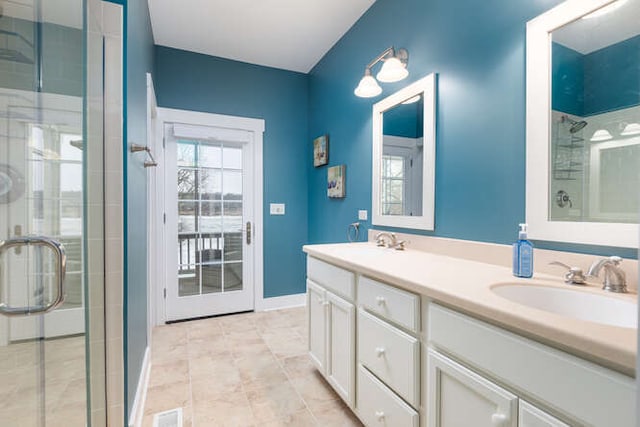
(137, 411)
(285, 301)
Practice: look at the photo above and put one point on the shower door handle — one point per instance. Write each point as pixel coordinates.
(61, 265)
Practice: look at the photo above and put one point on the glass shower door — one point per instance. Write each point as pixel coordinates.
(44, 261)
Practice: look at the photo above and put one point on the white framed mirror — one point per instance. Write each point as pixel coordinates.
(404, 141)
(583, 123)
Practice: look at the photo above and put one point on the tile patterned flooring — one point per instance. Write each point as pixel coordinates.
(36, 373)
(241, 370)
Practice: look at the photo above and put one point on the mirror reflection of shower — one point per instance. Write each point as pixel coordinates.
(576, 126)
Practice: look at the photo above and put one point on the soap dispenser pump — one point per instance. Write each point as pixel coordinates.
(523, 254)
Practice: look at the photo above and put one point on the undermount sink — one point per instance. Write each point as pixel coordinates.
(572, 303)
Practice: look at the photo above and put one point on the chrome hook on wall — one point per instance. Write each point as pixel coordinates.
(135, 148)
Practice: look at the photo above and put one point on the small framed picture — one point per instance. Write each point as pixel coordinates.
(336, 181)
(321, 150)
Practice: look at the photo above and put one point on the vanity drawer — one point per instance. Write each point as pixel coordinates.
(377, 405)
(336, 279)
(395, 304)
(392, 355)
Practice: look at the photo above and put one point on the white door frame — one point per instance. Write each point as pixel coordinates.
(257, 126)
(155, 206)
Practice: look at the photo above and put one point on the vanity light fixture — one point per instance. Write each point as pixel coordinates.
(631, 129)
(601, 135)
(394, 68)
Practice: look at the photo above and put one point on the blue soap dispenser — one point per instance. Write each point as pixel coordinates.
(523, 254)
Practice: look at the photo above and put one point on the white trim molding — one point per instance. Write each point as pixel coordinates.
(137, 410)
(538, 130)
(285, 301)
(427, 87)
(219, 121)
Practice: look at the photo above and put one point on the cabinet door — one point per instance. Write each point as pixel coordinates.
(317, 309)
(530, 416)
(342, 358)
(458, 397)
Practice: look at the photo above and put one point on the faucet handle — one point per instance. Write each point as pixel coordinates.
(573, 276)
(616, 260)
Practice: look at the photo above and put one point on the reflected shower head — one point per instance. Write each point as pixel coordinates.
(575, 125)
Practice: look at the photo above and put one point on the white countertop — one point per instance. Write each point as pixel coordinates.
(466, 285)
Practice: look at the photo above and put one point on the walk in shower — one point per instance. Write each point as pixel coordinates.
(52, 316)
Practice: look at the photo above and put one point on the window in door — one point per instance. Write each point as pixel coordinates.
(209, 217)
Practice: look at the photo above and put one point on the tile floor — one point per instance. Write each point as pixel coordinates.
(37, 373)
(241, 370)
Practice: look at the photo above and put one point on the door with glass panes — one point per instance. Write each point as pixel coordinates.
(209, 219)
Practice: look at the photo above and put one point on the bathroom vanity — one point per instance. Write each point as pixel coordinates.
(412, 338)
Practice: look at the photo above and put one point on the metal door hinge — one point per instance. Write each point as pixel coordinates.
(164, 218)
(164, 143)
(165, 292)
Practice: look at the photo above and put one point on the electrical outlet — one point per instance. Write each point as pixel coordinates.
(362, 215)
(276, 208)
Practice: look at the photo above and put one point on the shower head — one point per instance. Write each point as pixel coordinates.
(575, 125)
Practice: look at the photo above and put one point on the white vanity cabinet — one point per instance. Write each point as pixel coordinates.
(576, 389)
(530, 416)
(332, 320)
(458, 397)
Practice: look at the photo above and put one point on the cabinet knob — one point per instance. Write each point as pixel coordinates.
(380, 300)
(379, 351)
(380, 415)
(498, 420)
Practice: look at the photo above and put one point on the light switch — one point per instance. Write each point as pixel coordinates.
(276, 208)
(362, 215)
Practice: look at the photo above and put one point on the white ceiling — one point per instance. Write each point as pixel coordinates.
(289, 34)
(589, 35)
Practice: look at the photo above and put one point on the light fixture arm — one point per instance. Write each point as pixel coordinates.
(390, 52)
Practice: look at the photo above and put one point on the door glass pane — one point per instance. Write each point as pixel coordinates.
(187, 189)
(232, 185)
(210, 184)
(232, 158)
(186, 154)
(211, 275)
(210, 156)
(213, 220)
(210, 218)
(187, 280)
(44, 165)
(232, 276)
(187, 216)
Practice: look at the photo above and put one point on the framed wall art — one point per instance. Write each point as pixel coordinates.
(321, 150)
(336, 183)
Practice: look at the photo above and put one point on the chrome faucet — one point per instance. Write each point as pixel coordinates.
(389, 240)
(615, 279)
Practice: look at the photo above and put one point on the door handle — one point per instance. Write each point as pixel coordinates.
(248, 232)
(61, 267)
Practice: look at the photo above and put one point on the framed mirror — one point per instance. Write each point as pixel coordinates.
(583, 123)
(403, 181)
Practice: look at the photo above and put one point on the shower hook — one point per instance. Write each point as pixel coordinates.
(134, 148)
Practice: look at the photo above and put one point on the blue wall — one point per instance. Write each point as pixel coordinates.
(191, 81)
(479, 54)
